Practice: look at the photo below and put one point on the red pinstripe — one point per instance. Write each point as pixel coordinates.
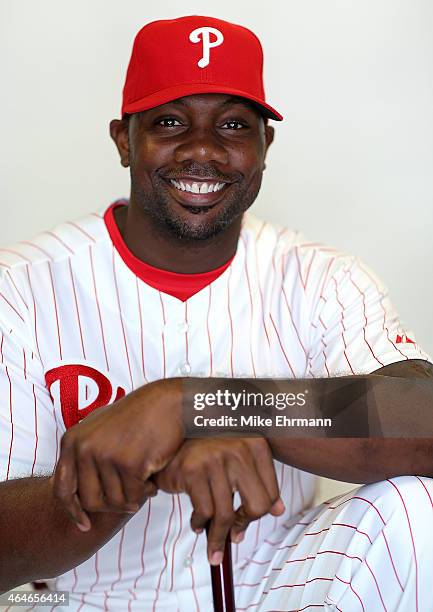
(251, 306)
(75, 582)
(231, 321)
(282, 476)
(186, 332)
(82, 602)
(426, 490)
(309, 268)
(11, 306)
(36, 428)
(163, 336)
(352, 589)
(56, 237)
(298, 477)
(12, 421)
(343, 326)
(412, 540)
(133, 598)
(16, 253)
(80, 229)
(76, 308)
(9, 275)
(331, 261)
(292, 319)
(281, 346)
(121, 320)
(259, 285)
(149, 505)
(176, 541)
(141, 330)
(55, 310)
(208, 331)
(377, 585)
(284, 586)
(98, 307)
(192, 576)
(119, 558)
(57, 432)
(365, 318)
(164, 552)
(34, 312)
(383, 533)
(96, 572)
(37, 247)
(382, 295)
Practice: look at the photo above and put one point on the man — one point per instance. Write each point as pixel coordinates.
(111, 324)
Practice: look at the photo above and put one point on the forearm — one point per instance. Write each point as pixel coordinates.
(359, 460)
(382, 423)
(398, 397)
(38, 539)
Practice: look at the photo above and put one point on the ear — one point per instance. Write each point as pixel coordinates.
(119, 133)
(269, 138)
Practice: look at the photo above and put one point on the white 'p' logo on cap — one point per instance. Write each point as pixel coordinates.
(203, 34)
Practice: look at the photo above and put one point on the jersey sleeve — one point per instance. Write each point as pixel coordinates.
(29, 435)
(355, 327)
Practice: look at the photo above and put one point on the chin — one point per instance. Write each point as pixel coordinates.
(199, 225)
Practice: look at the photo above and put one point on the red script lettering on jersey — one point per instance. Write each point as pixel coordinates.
(68, 375)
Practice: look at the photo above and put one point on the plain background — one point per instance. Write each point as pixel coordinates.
(351, 165)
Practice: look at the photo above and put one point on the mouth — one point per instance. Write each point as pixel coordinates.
(197, 195)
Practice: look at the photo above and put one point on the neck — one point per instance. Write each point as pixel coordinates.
(163, 250)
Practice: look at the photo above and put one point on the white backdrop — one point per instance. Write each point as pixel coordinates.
(352, 164)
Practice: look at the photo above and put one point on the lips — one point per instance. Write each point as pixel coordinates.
(197, 193)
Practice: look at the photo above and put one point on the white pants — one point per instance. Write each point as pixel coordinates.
(368, 550)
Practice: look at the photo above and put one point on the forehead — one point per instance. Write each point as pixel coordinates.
(211, 102)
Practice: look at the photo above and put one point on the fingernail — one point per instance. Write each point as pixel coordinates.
(132, 508)
(84, 526)
(279, 506)
(216, 558)
(238, 537)
(198, 530)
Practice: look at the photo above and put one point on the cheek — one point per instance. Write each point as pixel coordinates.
(148, 159)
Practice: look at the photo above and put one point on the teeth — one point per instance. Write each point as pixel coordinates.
(197, 187)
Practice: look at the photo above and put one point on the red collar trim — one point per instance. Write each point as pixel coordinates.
(180, 286)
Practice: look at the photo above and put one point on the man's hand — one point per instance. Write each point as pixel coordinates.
(107, 458)
(209, 471)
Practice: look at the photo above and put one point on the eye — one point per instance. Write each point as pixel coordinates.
(233, 124)
(168, 122)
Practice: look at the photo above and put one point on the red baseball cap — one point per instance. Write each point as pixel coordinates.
(172, 58)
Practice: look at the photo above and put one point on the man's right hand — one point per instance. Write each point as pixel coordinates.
(107, 458)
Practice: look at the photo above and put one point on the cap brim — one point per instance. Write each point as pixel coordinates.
(179, 91)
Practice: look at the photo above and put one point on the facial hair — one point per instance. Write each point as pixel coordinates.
(158, 206)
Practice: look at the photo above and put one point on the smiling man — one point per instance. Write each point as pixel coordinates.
(111, 324)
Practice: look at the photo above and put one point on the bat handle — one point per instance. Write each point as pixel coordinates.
(222, 581)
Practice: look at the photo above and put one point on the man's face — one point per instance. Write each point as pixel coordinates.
(196, 163)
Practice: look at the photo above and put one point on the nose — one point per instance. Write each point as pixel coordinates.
(201, 145)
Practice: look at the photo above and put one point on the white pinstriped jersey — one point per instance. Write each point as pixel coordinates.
(79, 329)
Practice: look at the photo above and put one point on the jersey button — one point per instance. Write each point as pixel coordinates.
(185, 369)
(182, 327)
(187, 562)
